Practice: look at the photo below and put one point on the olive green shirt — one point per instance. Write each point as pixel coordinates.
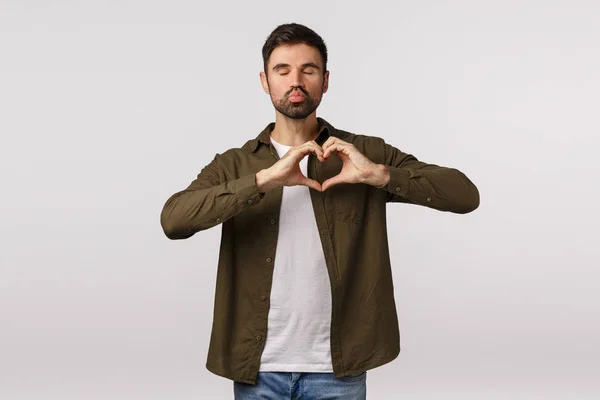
(351, 222)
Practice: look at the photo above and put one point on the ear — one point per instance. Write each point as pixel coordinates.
(325, 82)
(263, 82)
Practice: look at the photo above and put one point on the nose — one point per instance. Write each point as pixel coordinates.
(296, 80)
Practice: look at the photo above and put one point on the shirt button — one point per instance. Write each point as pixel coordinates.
(398, 189)
(218, 220)
(263, 297)
(258, 337)
(250, 201)
(428, 199)
(269, 259)
(272, 222)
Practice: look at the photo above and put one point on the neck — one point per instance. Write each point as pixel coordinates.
(294, 132)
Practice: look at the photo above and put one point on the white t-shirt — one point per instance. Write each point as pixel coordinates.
(298, 338)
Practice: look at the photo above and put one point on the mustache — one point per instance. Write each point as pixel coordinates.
(300, 89)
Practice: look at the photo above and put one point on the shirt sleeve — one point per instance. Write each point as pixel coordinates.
(207, 201)
(416, 182)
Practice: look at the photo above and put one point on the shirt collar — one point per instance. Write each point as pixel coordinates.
(325, 130)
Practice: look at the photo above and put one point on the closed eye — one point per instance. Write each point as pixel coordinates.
(307, 73)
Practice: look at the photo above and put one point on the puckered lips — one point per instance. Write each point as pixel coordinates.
(296, 95)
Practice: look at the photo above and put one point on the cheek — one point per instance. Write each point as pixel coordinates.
(277, 90)
(316, 92)
(279, 95)
(316, 86)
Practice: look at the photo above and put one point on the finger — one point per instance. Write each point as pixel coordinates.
(309, 147)
(339, 147)
(319, 149)
(316, 149)
(334, 139)
(331, 140)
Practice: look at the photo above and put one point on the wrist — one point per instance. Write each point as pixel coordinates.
(263, 181)
(381, 177)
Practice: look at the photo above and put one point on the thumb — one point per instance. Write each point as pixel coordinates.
(332, 182)
(311, 183)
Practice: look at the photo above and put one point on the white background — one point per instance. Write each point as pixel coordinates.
(109, 107)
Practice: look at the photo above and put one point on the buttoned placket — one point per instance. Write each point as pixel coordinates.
(269, 260)
(321, 220)
(330, 261)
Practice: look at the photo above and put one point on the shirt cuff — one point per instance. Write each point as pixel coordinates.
(399, 181)
(246, 191)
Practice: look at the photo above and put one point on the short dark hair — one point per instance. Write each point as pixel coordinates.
(293, 33)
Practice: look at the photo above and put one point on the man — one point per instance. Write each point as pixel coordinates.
(304, 301)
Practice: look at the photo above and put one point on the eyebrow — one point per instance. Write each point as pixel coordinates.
(283, 65)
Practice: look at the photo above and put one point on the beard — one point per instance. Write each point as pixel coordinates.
(296, 110)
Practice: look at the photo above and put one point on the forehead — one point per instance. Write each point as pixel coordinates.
(295, 54)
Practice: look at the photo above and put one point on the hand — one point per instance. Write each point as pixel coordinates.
(286, 171)
(357, 168)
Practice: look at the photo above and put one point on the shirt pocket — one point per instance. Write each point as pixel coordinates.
(352, 202)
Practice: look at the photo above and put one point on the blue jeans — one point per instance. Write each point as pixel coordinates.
(302, 386)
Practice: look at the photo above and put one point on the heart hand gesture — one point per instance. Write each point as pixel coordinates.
(357, 168)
